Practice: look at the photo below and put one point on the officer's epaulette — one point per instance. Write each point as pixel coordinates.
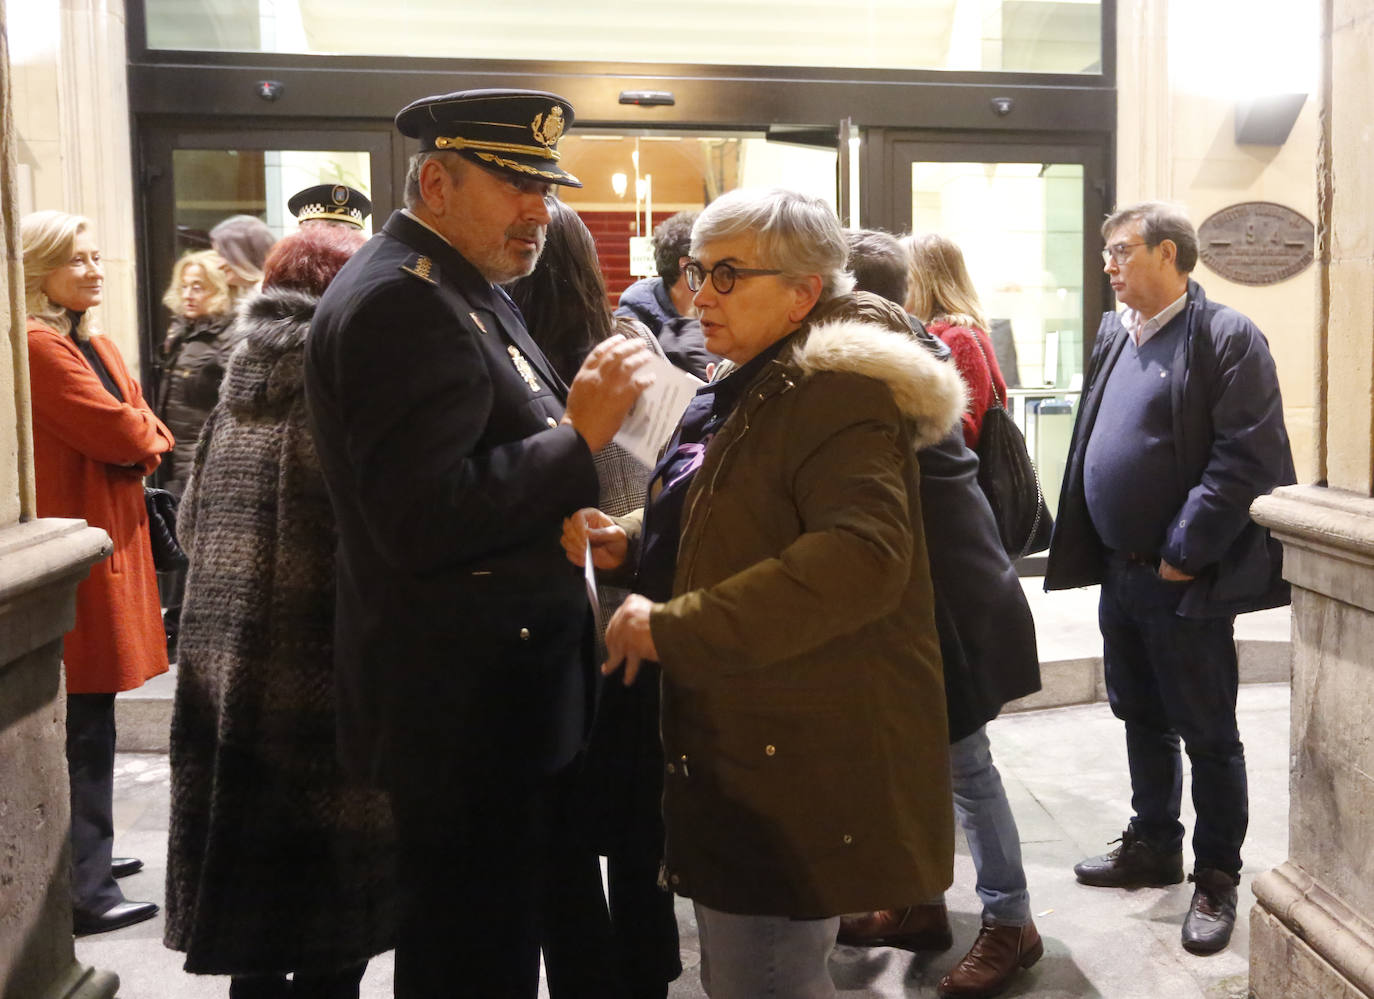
(422, 267)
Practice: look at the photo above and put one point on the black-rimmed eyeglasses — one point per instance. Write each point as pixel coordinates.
(723, 275)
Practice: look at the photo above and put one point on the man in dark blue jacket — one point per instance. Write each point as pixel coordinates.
(1179, 430)
(664, 303)
(451, 452)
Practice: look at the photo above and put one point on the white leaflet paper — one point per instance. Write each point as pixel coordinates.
(655, 414)
(589, 574)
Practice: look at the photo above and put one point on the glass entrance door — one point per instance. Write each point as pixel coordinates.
(195, 179)
(1026, 218)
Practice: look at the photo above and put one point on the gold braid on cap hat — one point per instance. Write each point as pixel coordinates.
(546, 129)
(457, 142)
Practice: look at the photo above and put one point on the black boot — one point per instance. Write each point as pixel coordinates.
(1133, 864)
(1212, 915)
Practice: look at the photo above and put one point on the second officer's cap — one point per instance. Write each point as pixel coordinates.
(515, 131)
(330, 203)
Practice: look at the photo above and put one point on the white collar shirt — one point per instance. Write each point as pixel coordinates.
(1142, 331)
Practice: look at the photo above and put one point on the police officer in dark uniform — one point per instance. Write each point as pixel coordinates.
(452, 452)
(330, 204)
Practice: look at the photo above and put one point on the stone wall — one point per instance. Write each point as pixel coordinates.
(71, 116)
(1176, 142)
(41, 563)
(1312, 929)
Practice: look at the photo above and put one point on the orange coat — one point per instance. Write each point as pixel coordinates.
(90, 453)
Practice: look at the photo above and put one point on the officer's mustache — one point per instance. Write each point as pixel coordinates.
(534, 233)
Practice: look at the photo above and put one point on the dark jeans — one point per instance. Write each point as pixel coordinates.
(1170, 677)
(90, 770)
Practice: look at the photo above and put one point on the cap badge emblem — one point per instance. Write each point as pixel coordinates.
(523, 368)
(339, 194)
(548, 128)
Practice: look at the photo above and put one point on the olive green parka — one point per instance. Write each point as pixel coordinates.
(803, 711)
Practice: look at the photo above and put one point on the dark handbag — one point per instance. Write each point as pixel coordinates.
(168, 555)
(1008, 479)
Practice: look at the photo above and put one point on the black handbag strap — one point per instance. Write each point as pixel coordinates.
(992, 382)
(1040, 509)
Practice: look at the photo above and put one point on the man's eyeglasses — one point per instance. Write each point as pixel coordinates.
(1119, 252)
(723, 275)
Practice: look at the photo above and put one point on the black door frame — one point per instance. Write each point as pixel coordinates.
(159, 140)
(889, 153)
(175, 94)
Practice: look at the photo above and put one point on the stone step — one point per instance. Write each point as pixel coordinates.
(1069, 643)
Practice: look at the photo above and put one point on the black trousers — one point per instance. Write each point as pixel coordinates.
(318, 985)
(90, 769)
(487, 878)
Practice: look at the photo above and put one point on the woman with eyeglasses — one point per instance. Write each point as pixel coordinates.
(782, 586)
(191, 364)
(942, 296)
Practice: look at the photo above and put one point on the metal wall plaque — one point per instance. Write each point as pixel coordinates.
(1256, 242)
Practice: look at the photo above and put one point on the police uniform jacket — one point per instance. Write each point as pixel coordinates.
(461, 626)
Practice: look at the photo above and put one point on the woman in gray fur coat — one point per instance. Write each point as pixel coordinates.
(275, 864)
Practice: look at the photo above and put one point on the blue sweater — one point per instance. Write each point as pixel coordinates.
(1130, 472)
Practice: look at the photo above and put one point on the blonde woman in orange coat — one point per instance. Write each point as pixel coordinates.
(94, 439)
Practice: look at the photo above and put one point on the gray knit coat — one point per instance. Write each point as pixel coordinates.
(274, 862)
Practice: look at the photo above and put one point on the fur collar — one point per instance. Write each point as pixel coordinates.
(277, 318)
(265, 375)
(866, 341)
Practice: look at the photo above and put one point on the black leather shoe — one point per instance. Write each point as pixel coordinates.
(122, 867)
(1212, 915)
(1133, 864)
(121, 915)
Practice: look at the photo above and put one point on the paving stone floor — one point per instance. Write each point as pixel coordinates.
(1065, 773)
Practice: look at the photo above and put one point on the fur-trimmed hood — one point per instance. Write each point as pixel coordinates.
(865, 335)
(267, 370)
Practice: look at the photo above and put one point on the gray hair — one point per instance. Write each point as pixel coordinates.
(793, 232)
(244, 242)
(1159, 221)
(447, 158)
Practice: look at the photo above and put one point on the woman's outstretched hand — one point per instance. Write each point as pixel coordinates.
(628, 638)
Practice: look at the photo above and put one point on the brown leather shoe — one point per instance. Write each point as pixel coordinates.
(993, 960)
(917, 927)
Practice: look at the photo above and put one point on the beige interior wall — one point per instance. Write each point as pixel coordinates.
(1211, 172)
(72, 121)
(1176, 144)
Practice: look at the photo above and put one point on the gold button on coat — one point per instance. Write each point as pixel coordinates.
(524, 634)
(551, 422)
(770, 750)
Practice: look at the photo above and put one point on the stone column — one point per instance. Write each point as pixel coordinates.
(1312, 928)
(97, 158)
(1144, 97)
(1311, 935)
(41, 563)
